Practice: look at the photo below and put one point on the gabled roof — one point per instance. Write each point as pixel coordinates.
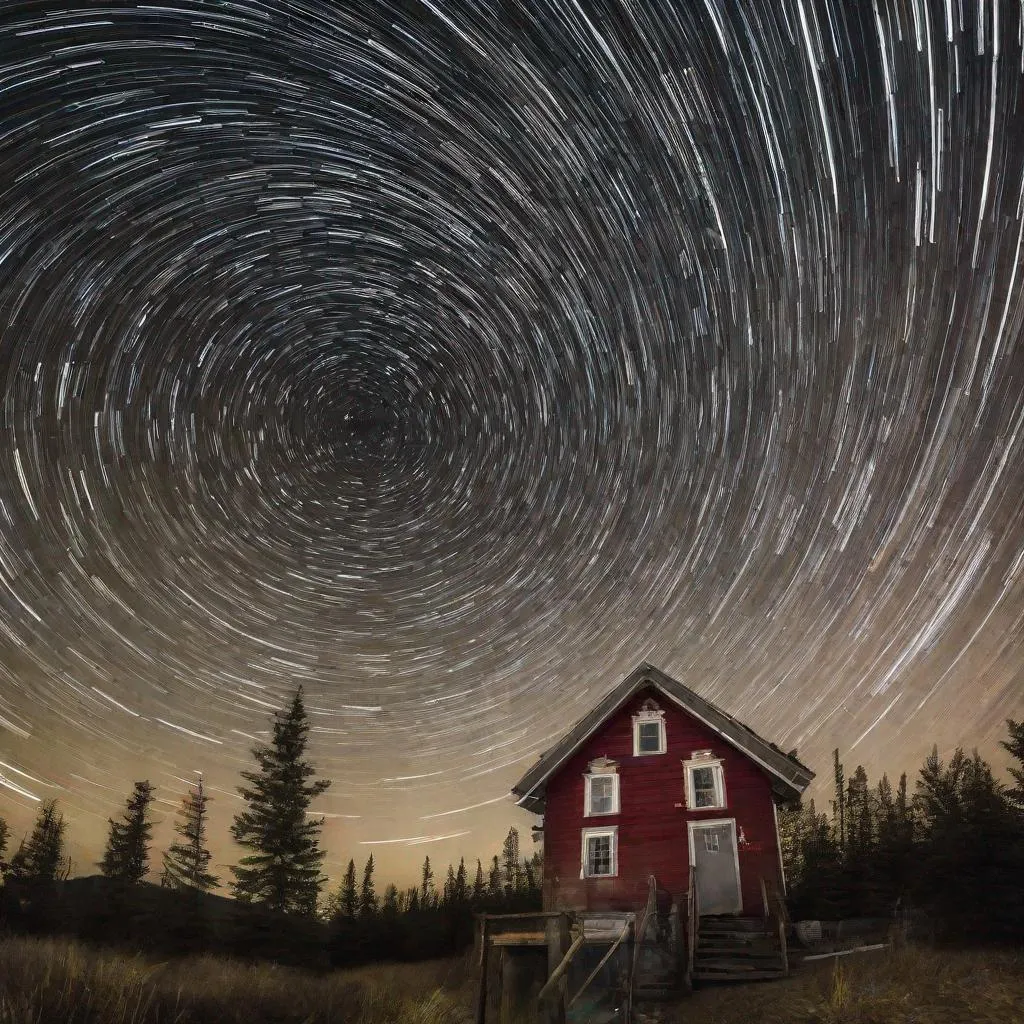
(788, 776)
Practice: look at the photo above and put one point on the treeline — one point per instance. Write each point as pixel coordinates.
(428, 920)
(279, 875)
(952, 847)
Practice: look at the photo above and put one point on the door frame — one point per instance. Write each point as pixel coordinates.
(692, 826)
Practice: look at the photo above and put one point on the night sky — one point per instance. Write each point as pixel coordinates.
(452, 358)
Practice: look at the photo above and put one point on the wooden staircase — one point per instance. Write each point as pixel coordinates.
(656, 975)
(737, 949)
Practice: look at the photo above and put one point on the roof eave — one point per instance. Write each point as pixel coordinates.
(792, 778)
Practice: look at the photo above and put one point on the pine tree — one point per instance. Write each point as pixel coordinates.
(38, 859)
(390, 906)
(965, 868)
(839, 803)
(344, 902)
(494, 891)
(427, 886)
(367, 895)
(449, 887)
(479, 886)
(1015, 746)
(186, 862)
(529, 881)
(126, 857)
(461, 890)
(412, 900)
(510, 862)
(5, 835)
(283, 871)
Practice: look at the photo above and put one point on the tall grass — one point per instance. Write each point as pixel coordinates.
(46, 981)
(907, 985)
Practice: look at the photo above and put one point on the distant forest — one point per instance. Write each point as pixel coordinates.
(279, 879)
(950, 851)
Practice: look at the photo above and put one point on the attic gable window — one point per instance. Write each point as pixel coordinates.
(600, 853)
(705, 782)
(649, 730)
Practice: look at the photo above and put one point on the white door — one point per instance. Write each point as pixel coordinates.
(713, 855)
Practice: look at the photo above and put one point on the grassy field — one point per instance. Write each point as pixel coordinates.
(912, 985)
(51, 981)
(46, 980)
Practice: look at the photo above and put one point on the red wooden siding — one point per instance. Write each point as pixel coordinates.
(652, 826)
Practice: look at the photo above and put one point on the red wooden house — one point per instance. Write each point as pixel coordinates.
(656, 779)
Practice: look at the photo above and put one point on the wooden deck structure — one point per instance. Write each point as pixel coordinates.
(656, 957)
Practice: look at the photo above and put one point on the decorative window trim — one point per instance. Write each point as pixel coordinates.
(650, 712)
(611, 832)
(718, 772)
(588, 808)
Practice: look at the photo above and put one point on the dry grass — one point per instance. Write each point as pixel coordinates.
(51, 980)
(45, 981)
(910, 985)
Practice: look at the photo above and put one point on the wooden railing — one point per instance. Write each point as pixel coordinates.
(638, 935)
(776, 918)
(692, 922)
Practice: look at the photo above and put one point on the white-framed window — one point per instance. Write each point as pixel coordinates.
(600, 793)
(600, 853)
(649, 732)
(705, 784)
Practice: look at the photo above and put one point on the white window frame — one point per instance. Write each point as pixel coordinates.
(588, 808)
(718, 773)
(612, 832)
(647, 718)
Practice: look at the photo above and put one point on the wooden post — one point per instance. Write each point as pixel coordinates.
(559, 939)
(481, 999)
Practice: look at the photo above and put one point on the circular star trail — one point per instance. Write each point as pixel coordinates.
(450, 359)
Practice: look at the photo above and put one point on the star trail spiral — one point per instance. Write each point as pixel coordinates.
(452, 358)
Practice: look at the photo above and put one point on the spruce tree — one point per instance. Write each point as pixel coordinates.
(1015, 746)
(494, 891)
(427, 886)
(126, 858)
(461, 888)
(186, 862)
(367, 895)
(839, 803)
(391, 902)
(510, 862)
(5, 835)
(38, 859)
(449, 887)
(345, 901)
(479, 886)
(283, 871)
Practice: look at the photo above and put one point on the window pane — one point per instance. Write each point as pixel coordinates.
(704, 794)
(649, 737)
(599, 855)
(601, 795)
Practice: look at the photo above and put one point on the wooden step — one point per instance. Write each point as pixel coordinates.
(747, 956)
(731, 924)
(729, 976)
(729, 964)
